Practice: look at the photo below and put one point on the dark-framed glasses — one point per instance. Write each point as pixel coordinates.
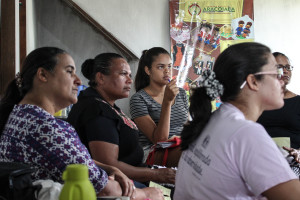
(287, 67)
(278, 72)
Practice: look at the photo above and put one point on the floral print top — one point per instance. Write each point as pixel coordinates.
(35, 137)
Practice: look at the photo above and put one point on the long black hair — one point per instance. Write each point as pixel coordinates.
(101, 63)
(45, 57)
(231, 68)
(142, 79)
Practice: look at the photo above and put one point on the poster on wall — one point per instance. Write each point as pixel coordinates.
(201, 29)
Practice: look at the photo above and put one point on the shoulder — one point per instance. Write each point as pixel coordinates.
(140, 96)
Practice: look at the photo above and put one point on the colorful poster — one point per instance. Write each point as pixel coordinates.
(201, 29)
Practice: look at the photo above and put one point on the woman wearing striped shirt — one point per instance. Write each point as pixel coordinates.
(159, 108)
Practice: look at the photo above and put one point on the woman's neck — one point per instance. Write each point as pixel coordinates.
(155, 90)
(106, 97)
(39, 101)
(288, 94)
(249, 105)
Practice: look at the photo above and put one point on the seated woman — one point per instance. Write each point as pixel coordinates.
(226, 154)
(284, 122)
(111, 137)
(159, 108)
(30, 133)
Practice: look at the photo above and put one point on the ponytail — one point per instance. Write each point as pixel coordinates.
(200, 111)
(11, 97)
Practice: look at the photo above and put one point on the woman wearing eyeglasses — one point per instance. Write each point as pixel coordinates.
(284, 122)
(226, 154)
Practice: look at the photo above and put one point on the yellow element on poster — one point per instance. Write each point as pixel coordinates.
(216, 11)
(227, 43)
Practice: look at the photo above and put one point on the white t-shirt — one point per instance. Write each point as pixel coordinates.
(234, 158)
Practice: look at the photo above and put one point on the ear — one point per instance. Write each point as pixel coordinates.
(147, 70)
(42, 74)
(99, 78)
(253, 84)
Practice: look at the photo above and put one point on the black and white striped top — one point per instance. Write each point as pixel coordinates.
(142, 104)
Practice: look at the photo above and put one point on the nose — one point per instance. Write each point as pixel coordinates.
(77, 80)
(129, 79)
(167, 70)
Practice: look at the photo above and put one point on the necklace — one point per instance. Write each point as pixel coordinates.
(120, 113)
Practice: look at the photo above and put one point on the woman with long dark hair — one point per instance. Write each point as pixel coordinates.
(159, 107)
(226, 154)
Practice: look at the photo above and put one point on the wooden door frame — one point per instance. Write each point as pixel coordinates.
(8, 43)
(8, 40)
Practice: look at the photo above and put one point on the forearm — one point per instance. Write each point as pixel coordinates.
(141, 174)
(108, 168)
(161, 132)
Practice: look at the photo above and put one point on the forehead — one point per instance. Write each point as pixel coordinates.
(118, 64)
(162, 58)
(282, 60)
(64, 60)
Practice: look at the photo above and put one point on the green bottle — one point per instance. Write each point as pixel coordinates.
(77, 184)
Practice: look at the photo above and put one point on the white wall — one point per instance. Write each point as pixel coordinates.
(139, 24)
(277, 26)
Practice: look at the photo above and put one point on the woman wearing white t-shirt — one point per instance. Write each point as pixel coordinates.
(226, 154)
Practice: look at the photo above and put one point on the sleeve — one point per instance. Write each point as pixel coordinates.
(259, 161)
(58, 147)
(102, 129)
(138, 106)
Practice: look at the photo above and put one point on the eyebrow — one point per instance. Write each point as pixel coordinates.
(70, 66)
(165, 64)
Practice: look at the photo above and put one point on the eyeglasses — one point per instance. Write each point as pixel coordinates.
(278, 72)
(287, 67)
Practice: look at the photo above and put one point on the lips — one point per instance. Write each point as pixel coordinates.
(286, 77)
(127, 88)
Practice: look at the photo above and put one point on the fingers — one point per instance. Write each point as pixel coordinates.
(287, 148)
(127, 187)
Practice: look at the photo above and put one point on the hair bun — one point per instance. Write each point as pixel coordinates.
(87, 68)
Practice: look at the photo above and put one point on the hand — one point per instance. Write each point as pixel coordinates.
(174, 136)
(293, 152)
(171, 91)
(127, 185)
(165, 175)
(112, 188)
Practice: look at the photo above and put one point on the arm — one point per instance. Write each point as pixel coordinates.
(124, 181)
(287, 190)
(159, 132)
(108, 153)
